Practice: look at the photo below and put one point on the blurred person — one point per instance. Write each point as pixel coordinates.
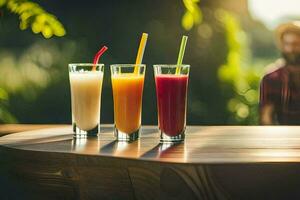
(280, 89)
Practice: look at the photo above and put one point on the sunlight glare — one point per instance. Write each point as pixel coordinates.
(273, 12)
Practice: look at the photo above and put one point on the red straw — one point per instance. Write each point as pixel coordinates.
(98, 55)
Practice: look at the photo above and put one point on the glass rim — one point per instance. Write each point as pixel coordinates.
(171, 65)
(85, 64)
(127, 65)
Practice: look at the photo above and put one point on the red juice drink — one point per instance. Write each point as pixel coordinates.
(171, 92)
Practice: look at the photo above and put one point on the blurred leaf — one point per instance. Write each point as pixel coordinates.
(34, 16)
(36, 27)
(237, 72)
(23, 25)
(187, 21)
(47, 32)
(25, 16)
(2, 2)
(190, 5)
(192, 16)
(6, 116)
(3, 94)
(197, 16)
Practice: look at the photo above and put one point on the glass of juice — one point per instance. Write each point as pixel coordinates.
(127, 85)
(171, 91)
(86, 86)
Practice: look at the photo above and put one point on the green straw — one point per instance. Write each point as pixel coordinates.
(181, 53)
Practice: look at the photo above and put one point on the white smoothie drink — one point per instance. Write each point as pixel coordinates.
(86, 98)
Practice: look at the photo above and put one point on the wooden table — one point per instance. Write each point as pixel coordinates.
(214, 162)
(13, 128)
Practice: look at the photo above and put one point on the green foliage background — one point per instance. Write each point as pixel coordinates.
(31, 15)
(34, 16)
(226, 62)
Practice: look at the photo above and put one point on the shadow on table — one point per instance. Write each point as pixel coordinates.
(109, 148)
(166, 150)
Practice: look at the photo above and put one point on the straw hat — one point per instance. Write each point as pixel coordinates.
(292, 27)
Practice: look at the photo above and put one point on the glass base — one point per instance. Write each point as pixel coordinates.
(79, 133)
(164, 138)
(125, 137)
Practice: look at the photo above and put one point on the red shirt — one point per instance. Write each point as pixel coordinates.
(278, 89)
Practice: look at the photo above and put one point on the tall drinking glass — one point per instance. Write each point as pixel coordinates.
(171, 93)
(127, 85)
(86, 86)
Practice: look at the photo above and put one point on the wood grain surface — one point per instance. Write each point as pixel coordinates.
(214, 162)
(6, 129)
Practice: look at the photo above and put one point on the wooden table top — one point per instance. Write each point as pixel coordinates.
(203, 144)
(6, 129)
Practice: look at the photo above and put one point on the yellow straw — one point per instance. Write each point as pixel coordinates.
(141, 50)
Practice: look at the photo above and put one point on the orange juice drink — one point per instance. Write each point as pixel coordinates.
(127, 93)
